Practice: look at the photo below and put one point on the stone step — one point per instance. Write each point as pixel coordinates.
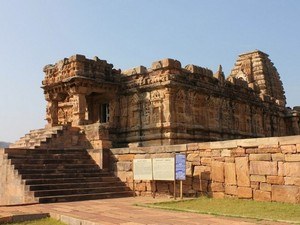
(54, 171)
(36, 138)
(51, 161)
(56, 166)
(79, 191)
(50, 156)
(62, 175)
(15, 151)
(104, 179)
(59, 186)
(82, 197)
(53, 129)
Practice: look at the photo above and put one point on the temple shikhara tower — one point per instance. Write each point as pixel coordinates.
(239, 138)
(167, 103)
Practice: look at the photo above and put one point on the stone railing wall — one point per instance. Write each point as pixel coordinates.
(263, 169)
(13, 190)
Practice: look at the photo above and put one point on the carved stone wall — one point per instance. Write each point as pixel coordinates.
(168, 103)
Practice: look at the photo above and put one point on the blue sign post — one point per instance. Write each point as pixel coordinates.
(180, 168)
(180, 164)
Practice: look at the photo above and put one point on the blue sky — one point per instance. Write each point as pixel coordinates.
(129, 33)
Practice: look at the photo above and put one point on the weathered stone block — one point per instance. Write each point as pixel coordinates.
(204, 145)
(254, 185)
(140, 186)
(216, 153)
(288, 149)
(193, 157)
(269, 141)
(225, 153)
(285, 193)
(264, 196)
(205, 161)
(205, 153)
(244, 192)
(265, 187)
(127, 157)
(230, 190)
(269, 149)
(292, 157)
(263, 168)
(230, 174)
(298, 147)
(258, 178)
(192, 146)
(188, 169)
(252, 142)
(251, 150)
(223, 144)
(218, 195)
(124, 166)
(280, 168)
(275, 180)
(175, 148)
(292, 181)
(260, 157)
(278, 157)
(289, 140)
(230, 159)
(242, 171)
(125, 176)
(217, 187)
(238, 152)
(119, 151)
(203, 172)
(217, 171)
(166, 63)
(292, 169)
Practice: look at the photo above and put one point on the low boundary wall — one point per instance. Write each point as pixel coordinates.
(263, 169)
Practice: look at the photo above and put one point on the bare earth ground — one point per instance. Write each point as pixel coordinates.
(122, 211)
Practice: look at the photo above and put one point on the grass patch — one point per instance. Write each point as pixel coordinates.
(46, 221)
(236, 208)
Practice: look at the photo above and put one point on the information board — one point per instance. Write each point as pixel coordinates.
(163, 169)
(180, 166)
(142, 169)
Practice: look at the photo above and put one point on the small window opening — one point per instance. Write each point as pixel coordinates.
(104, 113)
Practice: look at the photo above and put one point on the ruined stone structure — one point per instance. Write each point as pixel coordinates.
(99, 119)
(167, 103)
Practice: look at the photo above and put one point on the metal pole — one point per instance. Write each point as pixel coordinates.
(181, 195)
(174, 189)
(133, 188)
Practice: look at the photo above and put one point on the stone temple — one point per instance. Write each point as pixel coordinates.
(168, 103)
(100, 118)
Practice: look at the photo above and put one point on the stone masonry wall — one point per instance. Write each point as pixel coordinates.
(12, 189)
(263, 169)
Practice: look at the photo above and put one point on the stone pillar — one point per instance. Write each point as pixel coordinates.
(166, 106)
(295, 125)
(51, 111)
(79, 109)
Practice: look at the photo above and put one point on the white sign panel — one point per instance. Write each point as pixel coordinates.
(163, 169)
(142, 169)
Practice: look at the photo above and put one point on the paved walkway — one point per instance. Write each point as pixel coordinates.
(120, 211)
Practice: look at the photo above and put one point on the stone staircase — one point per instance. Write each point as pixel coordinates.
(52, 137)
(55, 175)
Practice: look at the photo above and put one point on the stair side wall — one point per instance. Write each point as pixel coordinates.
(13, 191)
